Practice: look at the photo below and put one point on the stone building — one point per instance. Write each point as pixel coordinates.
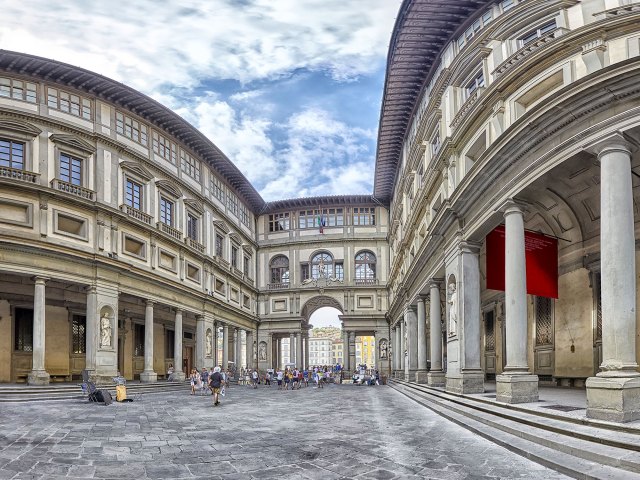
(522, 114)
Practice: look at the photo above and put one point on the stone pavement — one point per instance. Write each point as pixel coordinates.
(341, 431)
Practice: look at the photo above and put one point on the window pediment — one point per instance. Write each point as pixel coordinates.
(73, 142)
(247, 248)
(169, 188)
(235, 237)
(18, 126)
(137, 169)
(220, 225)
(195, 205)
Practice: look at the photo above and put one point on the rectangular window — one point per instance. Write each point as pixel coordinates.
(70, 169)
(508, 5)
(218, 188)
(244, 215)
(18, 90)
(78, 334)
(11, 154)
(304, 270)
(133, 196)
(69, 103)
(189, 165)
(232, 203)
(234, 256)
(131, 128)
(138, 338)
(473, 85)
(339, 271)
(279, 222)
(538, 33)
(245, 265)
(192, 227)
(364, 216)
(219, 245)
(23, 330)
(166, 211)
(165, 147)
(306, 219)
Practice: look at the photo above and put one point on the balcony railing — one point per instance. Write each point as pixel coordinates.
(21, 175)
(137, 214)
(366, 281)
(194, 244)
(169, 230)
(76, 190)
(277, 286)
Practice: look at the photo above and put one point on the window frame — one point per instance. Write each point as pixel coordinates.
(134, 181)
(84, 106)
(361, 260)
(537, 33)
(164, 147)
(162, 202)
(11, 89)
(71, 157)
(190, 165)
(192, 226)
(279, 270)
(142, 135)
(10, 146)
(279, 222)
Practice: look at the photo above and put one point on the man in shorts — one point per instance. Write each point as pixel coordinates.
(254, 378)
(216, 381)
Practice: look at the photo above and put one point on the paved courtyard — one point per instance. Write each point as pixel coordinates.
(336, 432)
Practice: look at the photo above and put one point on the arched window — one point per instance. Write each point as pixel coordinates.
(322, 265)
(365, 268)
(279, 271)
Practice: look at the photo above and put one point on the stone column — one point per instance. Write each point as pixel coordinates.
(411, 320)
(92, 325)
(178, 373)
(238, 354)
(270, 360)
(291, 348)
(225, 346)
(421, 373)
(299, 353)
(345, 350)
(200, 342)
(148, 375)
(306, 351)
(516, 384)
(392, 348)
(250, 353)
(396, 350)
(352, 350)
(38, 375)
(614, 393)
(403, 348)
(435, 377)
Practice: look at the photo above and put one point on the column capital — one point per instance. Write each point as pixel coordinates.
(150, 303)
(435, 283)
(199, 317)
(511, 206)
(90, 289)
(468, 246)
(615, 141)
(40, 279)
(178, 311)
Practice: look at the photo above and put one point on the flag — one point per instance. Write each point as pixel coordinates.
(321, 223)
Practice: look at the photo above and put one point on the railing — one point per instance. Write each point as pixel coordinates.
(169, 230)
(366, 281)
(277, 286)
(16, 174)
(137, 214)
(194, 244)
(615, 12)
(524, 52)
(77, 190)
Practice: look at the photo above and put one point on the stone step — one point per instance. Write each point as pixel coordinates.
(557, 448)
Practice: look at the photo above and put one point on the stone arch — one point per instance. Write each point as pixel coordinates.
(317, 302)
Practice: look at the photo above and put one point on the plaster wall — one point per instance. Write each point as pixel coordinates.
(57, 337)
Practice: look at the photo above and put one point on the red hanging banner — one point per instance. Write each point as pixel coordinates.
(541, 254)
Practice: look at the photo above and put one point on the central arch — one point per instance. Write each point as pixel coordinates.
(317, 302)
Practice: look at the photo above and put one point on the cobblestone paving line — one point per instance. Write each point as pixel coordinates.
(339, 432)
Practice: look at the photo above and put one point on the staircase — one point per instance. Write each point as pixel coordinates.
(578, 447)
(24, 393)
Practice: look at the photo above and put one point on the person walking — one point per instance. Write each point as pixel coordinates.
(255, 378)
(215, 382)
(279, 377)
(193, 379)
(204, 377)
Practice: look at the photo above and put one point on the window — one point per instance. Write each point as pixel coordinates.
(133, 196)
(219, 245)
(138, 338)
(435, 144)
(364, 216)
(331, 217)
(18, 90)
(11, 154)
(78, 334)
(131, 128)
(246, 265)
(232, 203)
(166, 211)
(365, 267)
(304, 271)
(473, 85)
(244, 215)
(339, 271)
(165, 147)
(234, 256)
(70, 169)
(192, 227)
(189, 165)
(280, 269)
(322, 265)
(23, 330)
(478, 25)
(508, 5)
(218, 188)
(307, 219)
(279, 222)
(69, 103)
(538, 33)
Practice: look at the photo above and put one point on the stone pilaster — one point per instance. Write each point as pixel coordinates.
(411, 322)
(225, 346)
(178, 374)
(435, 377)
(421, 372)
(38, 375)
(148, 375)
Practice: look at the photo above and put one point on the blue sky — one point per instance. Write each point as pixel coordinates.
(289, 90)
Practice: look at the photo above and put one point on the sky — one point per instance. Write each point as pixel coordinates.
(289, 90)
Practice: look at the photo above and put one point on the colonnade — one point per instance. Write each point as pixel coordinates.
(614, 393)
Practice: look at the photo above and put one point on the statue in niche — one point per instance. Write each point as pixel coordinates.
(209, 343)
(105, 331)
(262, 352)
(453, 309)
(383, 349)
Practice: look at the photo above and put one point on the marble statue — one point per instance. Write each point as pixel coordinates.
(209, 343)
(105, 331)
(453, 309)
(383, 349)
(262, 354)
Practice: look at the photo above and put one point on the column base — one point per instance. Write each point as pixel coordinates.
(178, 377)
(421, 376)
(616, 399)
(149, 377)
(436, 379)
(465, 382)
(409, 375)
(516, 388)
(38, 377)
